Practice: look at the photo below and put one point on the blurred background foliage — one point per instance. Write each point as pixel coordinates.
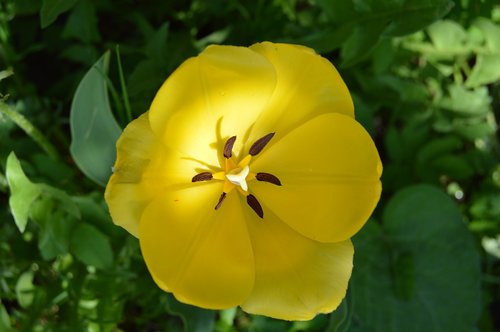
(424, 75)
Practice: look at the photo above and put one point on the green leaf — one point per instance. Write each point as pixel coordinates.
(466, 102)
(56, 226)
(437, 147)
(22, 192)
(25, 289)
(420, 270)
(4, 319)
(448, 36)
(485, 71)
(491, 32)
(156, 48)
(473, 129)
(339, 10)
(82, 23)
(94, 130)
(378, 19)
(91, 246)
(194, 319)
(492, 245)
(51, 9)
(94, 211)
(362, 41)
(454, 166)
(417, 15)
(327, 40)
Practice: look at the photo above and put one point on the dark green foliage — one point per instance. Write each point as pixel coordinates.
(425, 79)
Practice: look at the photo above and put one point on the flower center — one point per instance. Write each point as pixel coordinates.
(236, 175)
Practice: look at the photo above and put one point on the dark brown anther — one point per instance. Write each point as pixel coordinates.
(260, 144)
(255, 205)
(228, 147)
(221, 199)
(203, 176)
(268, 178)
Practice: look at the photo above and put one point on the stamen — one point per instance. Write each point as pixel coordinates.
(268, 178)
(255, 205)
(260, 144)
(203, 176)
(228, 147)
(221, 199)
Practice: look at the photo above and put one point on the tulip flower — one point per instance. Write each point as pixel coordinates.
(246, 179)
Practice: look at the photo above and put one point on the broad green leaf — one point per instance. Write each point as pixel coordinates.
(328, 39)
(91, 246)
(419, 270)
(94, 130)
(156, 48)
(25, 289)
(362, 41)
(491, 32)
(51, 9)
(338, 11)
(485, 71)
(149, 74)
(447, 36)
(82, 23)
(416, 15)
(377, 19)
(22, 192)
(466, 102)
(194, 319)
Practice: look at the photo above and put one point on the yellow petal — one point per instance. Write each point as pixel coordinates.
(329, 169)
(204, 257)
(307, 85)
(295, 277)
(124, 197)
(210, 98)
(144, 168)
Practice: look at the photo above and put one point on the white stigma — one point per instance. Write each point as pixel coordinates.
(238, 177)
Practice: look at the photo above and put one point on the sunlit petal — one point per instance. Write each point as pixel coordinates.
(329, 169)
(210, 98)
(201, 255)
(307, 85)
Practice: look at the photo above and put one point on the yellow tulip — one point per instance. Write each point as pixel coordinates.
(246, 179)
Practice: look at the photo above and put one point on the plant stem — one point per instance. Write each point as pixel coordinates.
(29, 129)
(123, 86)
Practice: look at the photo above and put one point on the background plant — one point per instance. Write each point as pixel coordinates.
(424, 76)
